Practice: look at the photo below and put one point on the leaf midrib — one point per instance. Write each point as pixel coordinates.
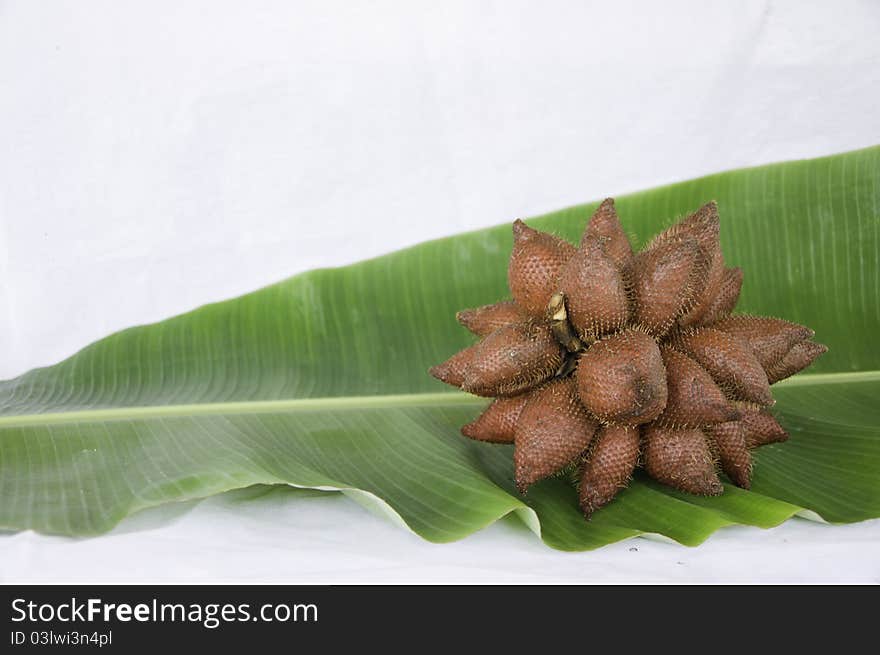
(240, 407)
(325, 403)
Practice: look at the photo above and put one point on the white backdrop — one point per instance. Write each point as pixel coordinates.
(157, 156)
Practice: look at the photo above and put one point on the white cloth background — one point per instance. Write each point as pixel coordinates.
(157, 156)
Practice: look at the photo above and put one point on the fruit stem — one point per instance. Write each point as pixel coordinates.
(562, 329)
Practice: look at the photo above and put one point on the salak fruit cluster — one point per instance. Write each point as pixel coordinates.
(606, 359)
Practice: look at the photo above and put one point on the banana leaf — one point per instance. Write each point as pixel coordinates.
(320, 381)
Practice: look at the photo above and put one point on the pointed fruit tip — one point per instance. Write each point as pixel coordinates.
(714, 487)
(804, 333)
(709, 211)
(590, 500)
(444, 373)
(701, 484)
(782, 435)
(521, 230)
(711, 215)
(743, 482)
(465, 316)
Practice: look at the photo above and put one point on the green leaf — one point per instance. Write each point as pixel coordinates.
(320, 381)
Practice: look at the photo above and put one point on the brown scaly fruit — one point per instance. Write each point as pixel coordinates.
(488, 318)
(605, 358)
(534, 267)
